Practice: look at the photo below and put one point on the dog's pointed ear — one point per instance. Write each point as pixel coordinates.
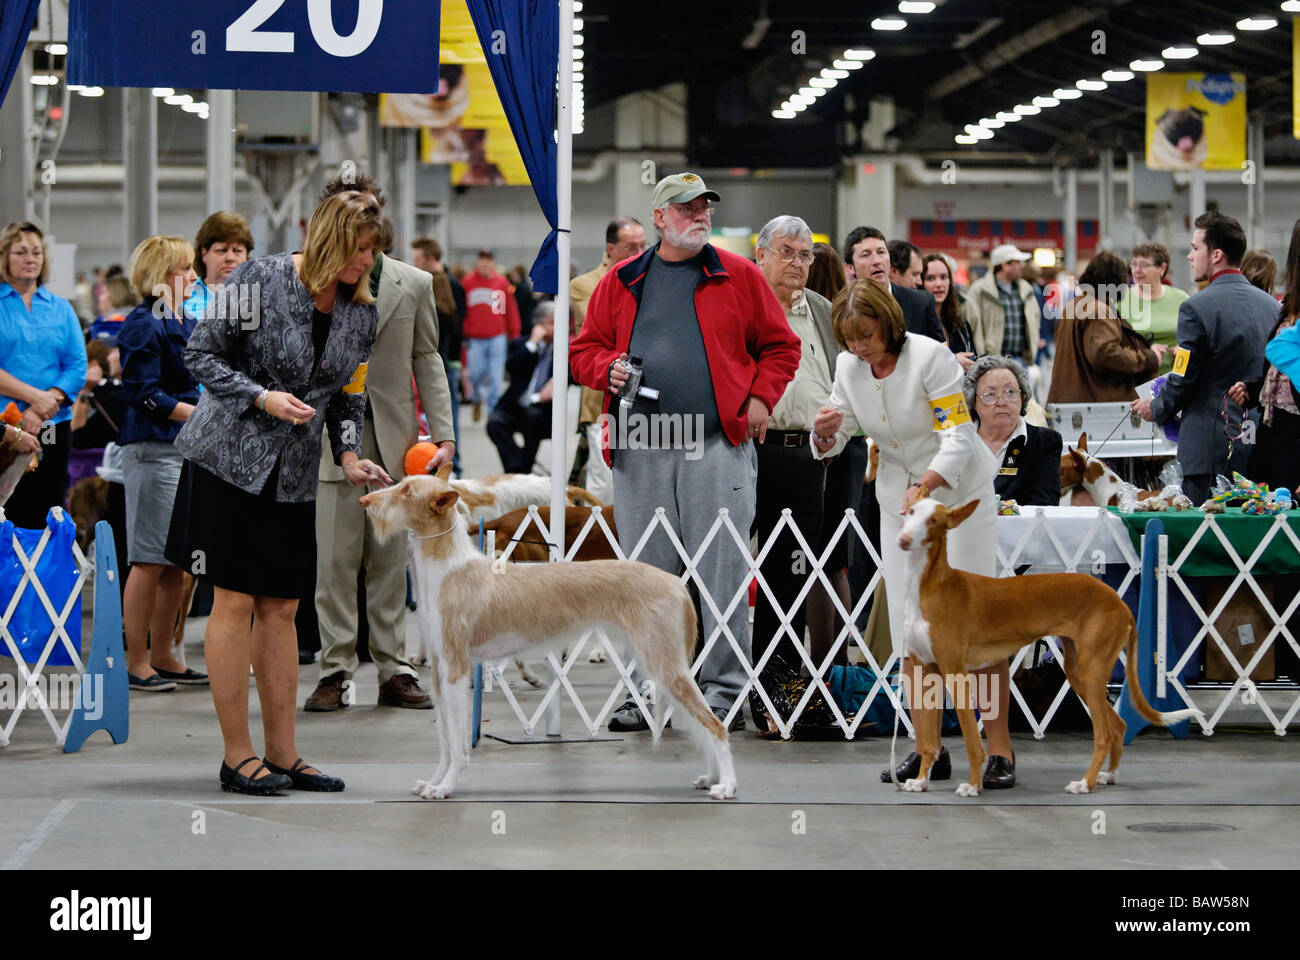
(1083, 443)
(444, 472)
(442, 502)
(958, 516)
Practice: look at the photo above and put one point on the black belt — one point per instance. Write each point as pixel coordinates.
(787, 438)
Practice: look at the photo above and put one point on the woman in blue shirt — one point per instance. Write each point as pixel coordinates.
(42, 368)
(161, 395)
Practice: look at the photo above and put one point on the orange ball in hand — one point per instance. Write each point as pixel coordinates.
(418, 457)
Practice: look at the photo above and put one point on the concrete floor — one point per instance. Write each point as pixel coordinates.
(1221, 802)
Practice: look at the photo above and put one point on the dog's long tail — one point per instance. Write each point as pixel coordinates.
(1139, 699)
(579, 497)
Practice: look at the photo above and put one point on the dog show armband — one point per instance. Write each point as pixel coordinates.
(1182, 356)
(949, 411)
(358, 382)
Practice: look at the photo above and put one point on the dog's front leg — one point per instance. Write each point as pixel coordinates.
(455, 715)
(426, 788)
(963, 696)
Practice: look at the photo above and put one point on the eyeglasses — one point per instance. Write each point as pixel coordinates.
(786, 255)
(1006, 396)
(693, 210)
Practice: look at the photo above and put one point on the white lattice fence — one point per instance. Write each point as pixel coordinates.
(1050, 539)
(1172, 572)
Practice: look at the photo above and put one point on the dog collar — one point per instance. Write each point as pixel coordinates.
(435, 536)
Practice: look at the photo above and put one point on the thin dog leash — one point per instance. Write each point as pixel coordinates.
(1097, 452)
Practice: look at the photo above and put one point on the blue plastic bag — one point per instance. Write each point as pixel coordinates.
(30, 625)
(849, 685)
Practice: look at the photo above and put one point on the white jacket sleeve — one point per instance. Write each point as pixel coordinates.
(942, 383)
(840, 397)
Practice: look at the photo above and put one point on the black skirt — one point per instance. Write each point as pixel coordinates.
(240, 541)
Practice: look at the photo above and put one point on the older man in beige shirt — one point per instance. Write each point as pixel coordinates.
(788, 475)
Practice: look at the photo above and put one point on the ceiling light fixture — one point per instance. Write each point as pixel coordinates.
(92, 92)
(966, 139)
(1179, 53)
(178, 100)
(1065, 93)
(888, 23)
(823, 83)
(162, 91)
(832, 74)
(915, 6)
(1092, 85)
(1027, 109)
(1216, 39)
(992, 123)
(857, 64)
(1117, 76)
(1257, 23)
(1006, 117)
(862, 55)
(57, 49)
(1046, 102)
(1146, 66)
(784, 114)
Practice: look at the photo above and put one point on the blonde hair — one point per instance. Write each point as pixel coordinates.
(9, 236)
(156, 259)
(333, 236)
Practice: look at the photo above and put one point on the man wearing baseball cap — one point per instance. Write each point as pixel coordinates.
(1001, 308)
(716, 353)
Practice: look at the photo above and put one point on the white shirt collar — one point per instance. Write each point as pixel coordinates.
(1021, 432)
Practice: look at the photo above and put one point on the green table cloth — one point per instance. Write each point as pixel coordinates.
(1208, 557)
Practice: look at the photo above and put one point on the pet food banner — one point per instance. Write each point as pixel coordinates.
(463, 123)
(1196, 121)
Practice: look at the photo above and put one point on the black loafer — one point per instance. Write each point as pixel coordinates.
(189, 678)
(232, 781)
(299, 780)
(1000, 773)
(910, 768)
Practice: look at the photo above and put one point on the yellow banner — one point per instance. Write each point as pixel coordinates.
(949, 411)
(463, 124)
(1196, 121)
(1295, 84)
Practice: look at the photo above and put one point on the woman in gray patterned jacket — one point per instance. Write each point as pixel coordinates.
(282, 346)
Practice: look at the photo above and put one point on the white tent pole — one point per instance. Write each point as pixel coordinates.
(563, 218)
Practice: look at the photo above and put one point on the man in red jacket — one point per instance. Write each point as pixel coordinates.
(491, 322)
(716, 353)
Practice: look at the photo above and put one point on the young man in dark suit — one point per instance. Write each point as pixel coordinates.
(1222, 332)
(867, 256)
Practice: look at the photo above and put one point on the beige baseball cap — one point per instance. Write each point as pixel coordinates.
(681, 188)
(1005, 253)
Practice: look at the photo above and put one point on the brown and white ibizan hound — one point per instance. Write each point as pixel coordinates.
(473, 609)
(955, 622)
(1100, 483)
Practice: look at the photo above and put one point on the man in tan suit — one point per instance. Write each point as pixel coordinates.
(624, 238)
(406, 344)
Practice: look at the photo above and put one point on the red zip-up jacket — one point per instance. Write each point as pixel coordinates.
(750, 348)
(490, 308)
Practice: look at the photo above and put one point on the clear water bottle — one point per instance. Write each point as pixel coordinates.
(627, 395)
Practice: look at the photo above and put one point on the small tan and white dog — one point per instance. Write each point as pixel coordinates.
(473, 609)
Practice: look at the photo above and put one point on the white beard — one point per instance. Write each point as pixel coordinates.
(691, 240)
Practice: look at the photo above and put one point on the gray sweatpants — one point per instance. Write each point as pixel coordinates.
(691, 493)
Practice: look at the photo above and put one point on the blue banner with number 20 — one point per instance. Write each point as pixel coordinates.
(363, 46)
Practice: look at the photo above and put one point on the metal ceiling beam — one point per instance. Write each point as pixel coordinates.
(1010, 50)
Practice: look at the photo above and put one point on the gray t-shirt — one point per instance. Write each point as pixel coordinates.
(666, 336)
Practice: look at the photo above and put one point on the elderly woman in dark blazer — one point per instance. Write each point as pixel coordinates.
(1028, 457)
(282, 348)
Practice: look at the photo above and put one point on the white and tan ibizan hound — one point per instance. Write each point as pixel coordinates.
(490, 498)
(473, 609)
(955, 622)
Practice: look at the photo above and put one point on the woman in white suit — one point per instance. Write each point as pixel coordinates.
(905, 392)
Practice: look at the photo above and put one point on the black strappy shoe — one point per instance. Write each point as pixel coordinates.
(232, 781)
(300, 780)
